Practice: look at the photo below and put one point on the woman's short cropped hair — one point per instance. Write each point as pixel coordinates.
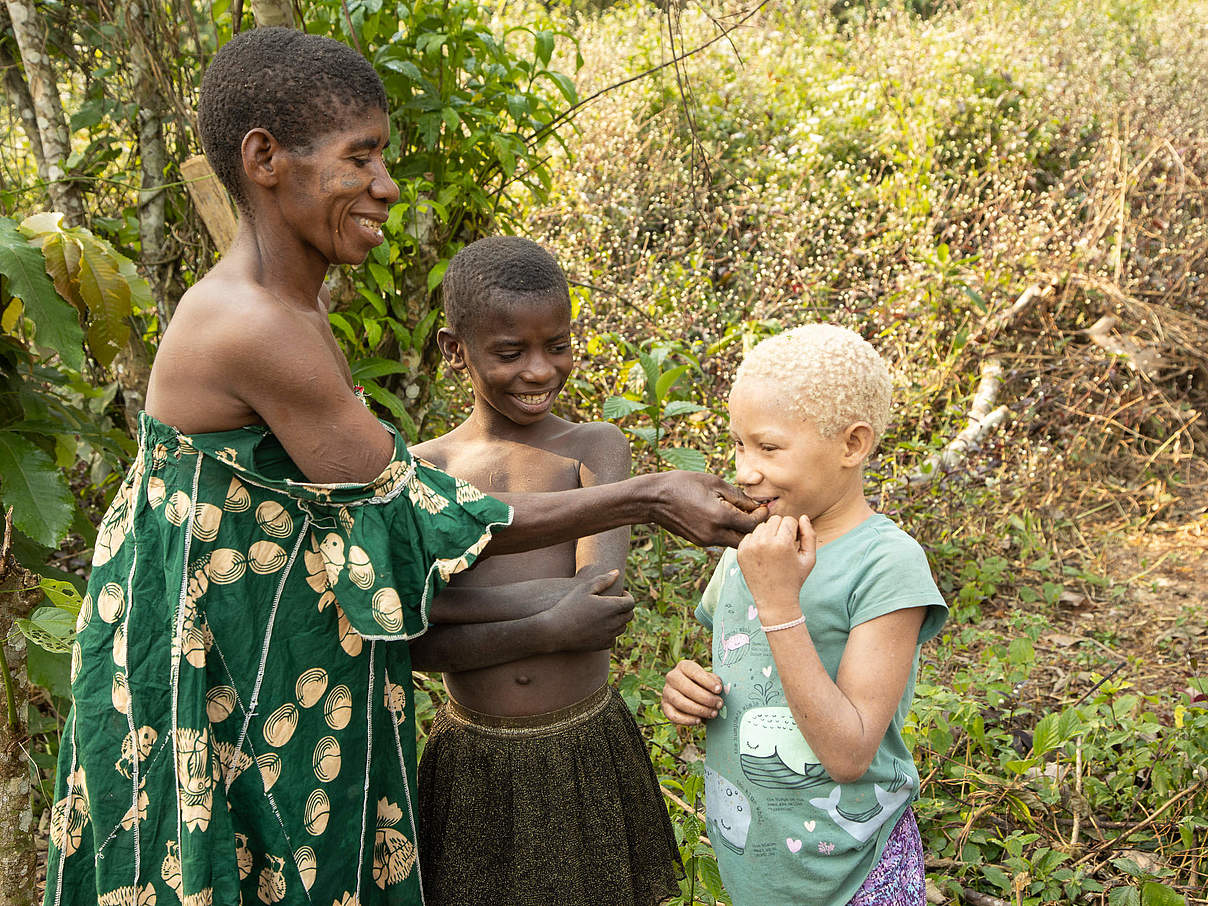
(299, 87)
(824, 373)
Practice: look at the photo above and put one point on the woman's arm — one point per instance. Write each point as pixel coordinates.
(843, 720)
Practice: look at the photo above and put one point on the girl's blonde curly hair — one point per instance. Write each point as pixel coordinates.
(824, 373)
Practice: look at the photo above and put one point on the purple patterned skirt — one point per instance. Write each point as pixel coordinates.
(897, 878)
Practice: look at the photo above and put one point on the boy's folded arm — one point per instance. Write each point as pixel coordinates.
(582, 619)
(605, 458)
(498, 603)
(453, 647)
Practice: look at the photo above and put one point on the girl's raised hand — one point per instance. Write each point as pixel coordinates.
(776, 559)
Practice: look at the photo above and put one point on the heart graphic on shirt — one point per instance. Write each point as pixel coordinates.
(793, 845)
(767, 671)
(810, 825)
(752, 612)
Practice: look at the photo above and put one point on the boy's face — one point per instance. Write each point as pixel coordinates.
(781, 459)
(519, 356)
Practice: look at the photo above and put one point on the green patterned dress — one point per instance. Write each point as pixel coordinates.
(243, 729)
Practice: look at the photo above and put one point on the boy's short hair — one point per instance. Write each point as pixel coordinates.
(827, 374)
(299, 87)
(482, 276)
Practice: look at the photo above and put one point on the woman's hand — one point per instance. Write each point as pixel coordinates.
(776, 559)
(691, 694)
(704, 509)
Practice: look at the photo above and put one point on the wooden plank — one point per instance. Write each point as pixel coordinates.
(211, 200)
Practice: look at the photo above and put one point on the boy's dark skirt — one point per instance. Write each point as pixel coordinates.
(549, 810)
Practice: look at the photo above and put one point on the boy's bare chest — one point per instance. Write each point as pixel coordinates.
(514, 468)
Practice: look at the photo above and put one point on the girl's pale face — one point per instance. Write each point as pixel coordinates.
(780, 459)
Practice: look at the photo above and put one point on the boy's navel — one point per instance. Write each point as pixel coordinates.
(522, 679)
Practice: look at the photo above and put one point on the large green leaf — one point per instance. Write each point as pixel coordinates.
(108, 297)
(50, 628)
(682, 407)
(618, 407)
(37, 491)
(684, 458)
(56, 322)
(1154, 893)
(62, 256)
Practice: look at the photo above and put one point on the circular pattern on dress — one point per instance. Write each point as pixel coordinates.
(237, 497)
(327, 759)
(220, 702)
(178, 507)
(388, 609)
(227, 565)
(280, 726)
(270, 769)
(111, 602)
(318, 811)
(310, 687)
(206, 522)
(274, 520)
(338, 708)
(266, 557)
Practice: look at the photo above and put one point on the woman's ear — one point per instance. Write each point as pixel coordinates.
(261, 156)
(452, 348)
(857, 443)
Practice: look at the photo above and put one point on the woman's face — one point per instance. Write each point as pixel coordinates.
(339, 191)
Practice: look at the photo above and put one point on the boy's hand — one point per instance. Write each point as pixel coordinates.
(776, 559)
(585, 619)
(690, 694)
(704, 509)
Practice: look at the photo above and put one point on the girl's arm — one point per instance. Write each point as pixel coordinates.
(843, 720)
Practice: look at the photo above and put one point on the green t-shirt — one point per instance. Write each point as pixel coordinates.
(784, 832)
(243, 727)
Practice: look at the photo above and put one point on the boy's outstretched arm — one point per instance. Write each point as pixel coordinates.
(582, 618)
(691, 694)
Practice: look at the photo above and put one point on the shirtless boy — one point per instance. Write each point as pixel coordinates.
(535, 785)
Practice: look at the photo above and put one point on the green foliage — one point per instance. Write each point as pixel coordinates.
(473, 107)
(46, 419)
(655, 376)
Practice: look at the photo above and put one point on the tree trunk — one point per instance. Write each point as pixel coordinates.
(156, 258)
(52, 129)
(18, 857)
(273, 12)
(18, 94)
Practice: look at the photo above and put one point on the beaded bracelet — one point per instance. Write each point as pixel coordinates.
(789, 625)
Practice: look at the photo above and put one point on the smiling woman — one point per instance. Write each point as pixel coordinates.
(241, 728)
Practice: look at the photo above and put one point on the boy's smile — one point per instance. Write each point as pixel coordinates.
(518, 356)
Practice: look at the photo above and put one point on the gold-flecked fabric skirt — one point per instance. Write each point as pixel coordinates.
(557, 808)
